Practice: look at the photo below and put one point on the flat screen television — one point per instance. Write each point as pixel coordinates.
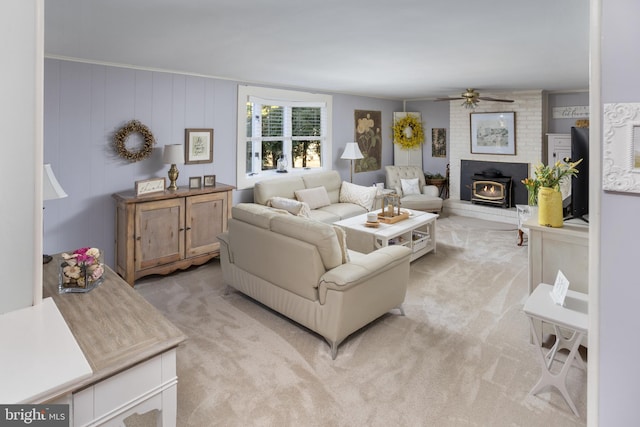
(580, 183)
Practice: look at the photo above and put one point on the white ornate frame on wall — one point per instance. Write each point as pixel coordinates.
(621, 154)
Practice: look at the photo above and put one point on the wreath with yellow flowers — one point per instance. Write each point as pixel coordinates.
(120, 140)
(407, 132)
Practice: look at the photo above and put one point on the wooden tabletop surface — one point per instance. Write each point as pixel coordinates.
(115, 327)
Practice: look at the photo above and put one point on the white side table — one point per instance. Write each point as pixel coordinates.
(573, 316)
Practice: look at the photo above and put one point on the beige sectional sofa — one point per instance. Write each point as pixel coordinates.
(343, 200)
(302, 269)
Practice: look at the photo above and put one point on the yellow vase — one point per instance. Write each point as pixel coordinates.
(549, 207)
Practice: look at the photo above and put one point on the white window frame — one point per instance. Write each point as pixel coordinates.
(290, 97)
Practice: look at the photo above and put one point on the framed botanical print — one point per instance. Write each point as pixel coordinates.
(368, 135)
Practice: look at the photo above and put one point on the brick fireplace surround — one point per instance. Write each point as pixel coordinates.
(530, 110)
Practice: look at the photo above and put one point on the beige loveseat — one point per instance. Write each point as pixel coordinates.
(301, 269)
(343, 199)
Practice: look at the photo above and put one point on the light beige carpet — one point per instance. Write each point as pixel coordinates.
(460, 357)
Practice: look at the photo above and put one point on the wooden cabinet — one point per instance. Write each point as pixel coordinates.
(162, 232)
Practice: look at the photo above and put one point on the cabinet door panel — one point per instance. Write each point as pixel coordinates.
(205, 219)
(160, 233)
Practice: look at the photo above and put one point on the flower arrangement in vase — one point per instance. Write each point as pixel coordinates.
(549, 176)
(532, 190)
(544, 190)
(81, 271)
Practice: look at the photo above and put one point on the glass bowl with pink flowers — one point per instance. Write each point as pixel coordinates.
(81, 270)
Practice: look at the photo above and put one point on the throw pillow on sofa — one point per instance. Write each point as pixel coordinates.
(410, 186)
(316, 197)
(358, 194)
(294, 207)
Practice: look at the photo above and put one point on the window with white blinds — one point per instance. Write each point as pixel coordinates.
(281, 132)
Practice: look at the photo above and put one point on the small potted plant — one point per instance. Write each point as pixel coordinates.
(434, 178)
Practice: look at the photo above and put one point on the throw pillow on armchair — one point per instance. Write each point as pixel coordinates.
(410, 186)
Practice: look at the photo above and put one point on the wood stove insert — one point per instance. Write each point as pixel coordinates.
(492, 188)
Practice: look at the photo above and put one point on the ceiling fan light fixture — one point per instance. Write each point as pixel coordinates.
(470, 103)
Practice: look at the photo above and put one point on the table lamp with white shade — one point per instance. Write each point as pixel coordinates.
(352, 152)
(51, 190)
(173, 154)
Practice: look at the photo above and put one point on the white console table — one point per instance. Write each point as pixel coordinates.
(130, 348)
(553, 249)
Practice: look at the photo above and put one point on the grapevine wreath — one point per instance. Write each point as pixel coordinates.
(400, 135)
(121, 136)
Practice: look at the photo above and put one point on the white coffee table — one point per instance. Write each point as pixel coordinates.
(418, 232)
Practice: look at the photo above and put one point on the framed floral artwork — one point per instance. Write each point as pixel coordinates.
(368, 135)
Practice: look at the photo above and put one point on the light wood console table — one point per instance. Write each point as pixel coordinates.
(130, 347)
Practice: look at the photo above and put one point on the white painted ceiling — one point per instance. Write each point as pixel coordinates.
(398, 49)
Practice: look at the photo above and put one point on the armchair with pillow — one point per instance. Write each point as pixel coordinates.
(409, 183)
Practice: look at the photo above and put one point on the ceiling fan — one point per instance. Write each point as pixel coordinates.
(471, 98)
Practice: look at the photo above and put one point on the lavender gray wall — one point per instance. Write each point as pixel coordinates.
(619, 372)
(86, 103)
(434, 115)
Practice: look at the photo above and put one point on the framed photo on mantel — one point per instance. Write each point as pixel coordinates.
(493, 133)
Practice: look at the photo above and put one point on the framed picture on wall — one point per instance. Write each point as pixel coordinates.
(198, 146)
(367, 125)
(621, 165)
(438, 142)
(493, 133)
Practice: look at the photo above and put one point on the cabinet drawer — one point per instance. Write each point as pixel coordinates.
(562, 143)
(125, 390)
